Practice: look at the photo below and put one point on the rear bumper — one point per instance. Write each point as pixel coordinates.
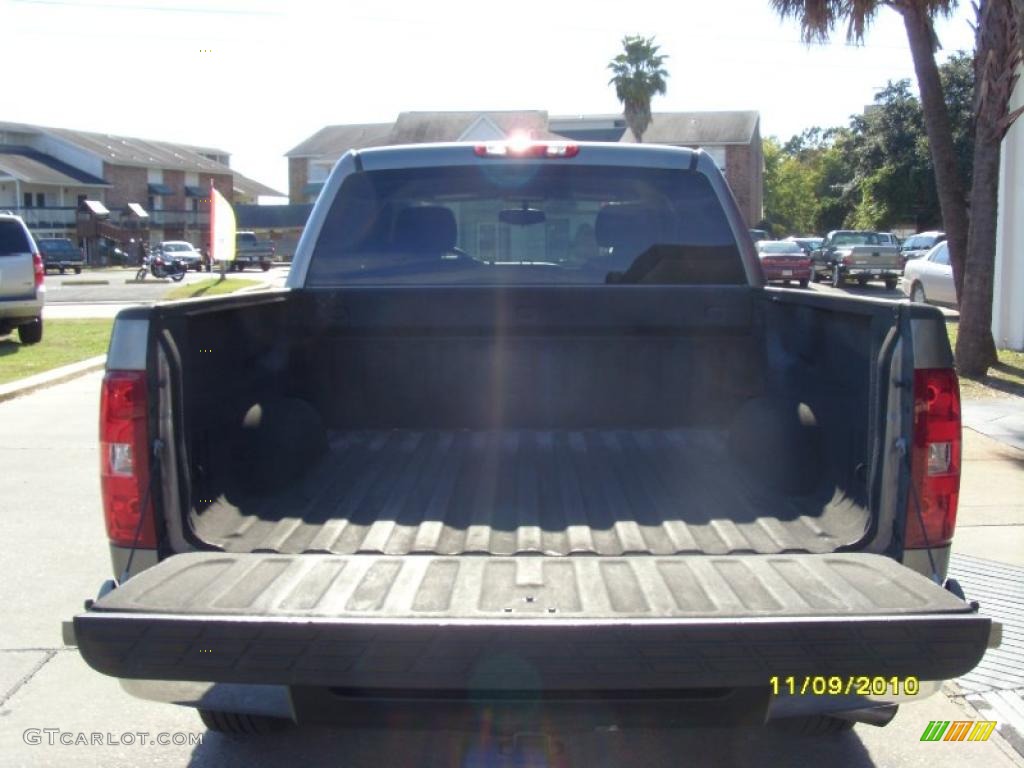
(20, 309)
(779, 273)
(556, 655)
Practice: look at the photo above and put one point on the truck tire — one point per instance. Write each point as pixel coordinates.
(862, 281)
(78, 270)
(813, 725)
(31, 333)
(890, 283)
(803, 283)
(265, 265)
(239, 724)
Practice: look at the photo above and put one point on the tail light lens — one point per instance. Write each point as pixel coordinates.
(124, 459)
(848, 260)
(516, 148)
(934, 459)
(38, 269)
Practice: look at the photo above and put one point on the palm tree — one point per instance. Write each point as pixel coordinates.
(818, 19)
(638, 76)
(998, 51)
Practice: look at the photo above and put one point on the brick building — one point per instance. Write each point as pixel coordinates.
(103, 190)
(733, 139)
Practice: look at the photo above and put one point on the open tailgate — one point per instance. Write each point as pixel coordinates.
(608, 623)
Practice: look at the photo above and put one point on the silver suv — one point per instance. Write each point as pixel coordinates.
(22, 291)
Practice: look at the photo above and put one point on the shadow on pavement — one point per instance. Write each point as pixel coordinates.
(703, 747)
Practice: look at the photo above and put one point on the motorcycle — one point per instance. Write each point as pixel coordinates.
(160, 267)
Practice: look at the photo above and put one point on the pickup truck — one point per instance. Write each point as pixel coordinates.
(251, 251)
(452, 478)
(860, 255)
(61, 254)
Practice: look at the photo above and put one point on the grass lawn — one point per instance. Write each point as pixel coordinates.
(212, 287)
(1006, 379)
(64, 341)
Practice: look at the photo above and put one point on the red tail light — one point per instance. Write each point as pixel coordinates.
(124, 459)
(934, 459)
(38, 269)
(848, 260)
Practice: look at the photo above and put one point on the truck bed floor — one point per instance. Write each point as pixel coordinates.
(554, 492)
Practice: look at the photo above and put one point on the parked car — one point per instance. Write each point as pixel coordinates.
(422, 486)
(808, 243)
(760, 234)
(22, 281)
(931, 279)
(60, 253)
(251, 251)
(857, 254)
(917, 246)
(784, 261)
(888, 238)
(180, 250)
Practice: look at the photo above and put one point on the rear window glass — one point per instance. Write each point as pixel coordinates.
(526, 223)
(62, 247)
(13, 239)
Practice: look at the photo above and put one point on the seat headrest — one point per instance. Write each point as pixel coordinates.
(629, 225)
(426, 229)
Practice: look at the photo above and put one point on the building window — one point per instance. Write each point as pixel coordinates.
(28, 200)
(151, 203)
(40, 199)
(81, 199)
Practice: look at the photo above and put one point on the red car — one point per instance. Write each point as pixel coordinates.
(784, 261)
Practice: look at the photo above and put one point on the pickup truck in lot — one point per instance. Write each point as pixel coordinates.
(251, 251)
(452, 478)
(863, 256)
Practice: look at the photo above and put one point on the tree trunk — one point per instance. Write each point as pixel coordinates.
(996, 58)
(975, 348)
(948, 181)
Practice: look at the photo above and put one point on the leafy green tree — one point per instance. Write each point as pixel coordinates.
(818, 20)
(638, 76)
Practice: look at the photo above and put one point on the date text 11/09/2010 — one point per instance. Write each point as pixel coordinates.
(835, 685)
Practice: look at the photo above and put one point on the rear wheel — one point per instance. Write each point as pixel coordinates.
(31, 333)
(803, 283)
(862, 281)
(78, 270)
(890, 283)
(265, 266)
(239, 724)
(60, 270)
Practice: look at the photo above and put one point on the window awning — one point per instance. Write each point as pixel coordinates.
(138, 210)
(95, 207)
(313, 189)
(160, 189)
(194, 192)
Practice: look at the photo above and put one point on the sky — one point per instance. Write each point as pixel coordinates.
(257, 77)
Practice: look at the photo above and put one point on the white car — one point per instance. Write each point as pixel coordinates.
(930, 279)
(185, 251)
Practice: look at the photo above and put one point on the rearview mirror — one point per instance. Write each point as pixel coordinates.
(522, 217)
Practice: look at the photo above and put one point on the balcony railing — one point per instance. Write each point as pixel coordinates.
(55, 218)
(47, 218)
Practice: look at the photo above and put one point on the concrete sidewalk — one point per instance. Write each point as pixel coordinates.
(998, 417)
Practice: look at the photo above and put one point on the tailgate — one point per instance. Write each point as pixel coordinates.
(870, 257)
(607, 623)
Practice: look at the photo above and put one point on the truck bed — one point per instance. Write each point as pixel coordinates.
(554, 492)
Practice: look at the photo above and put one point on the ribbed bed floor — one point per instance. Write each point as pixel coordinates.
(604, 492)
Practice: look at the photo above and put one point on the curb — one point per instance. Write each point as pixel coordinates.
(30, 384)
(150, 281)
(85, 282)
